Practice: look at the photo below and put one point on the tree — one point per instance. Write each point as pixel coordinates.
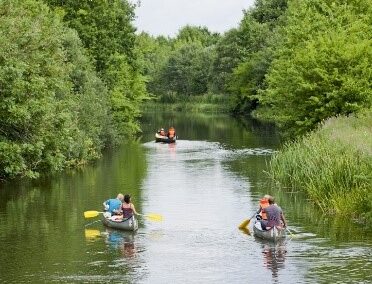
(106, 30)
(187, 71)
(191, 34)
(258, 40)
(322, 68)
(229, 53)
(46, 81)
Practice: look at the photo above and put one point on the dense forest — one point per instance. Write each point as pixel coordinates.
(69, 82)
(293, 62)
(74, 74)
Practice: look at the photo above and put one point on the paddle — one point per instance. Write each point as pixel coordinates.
(91, 214)
(245, 223)
(290, 232)
(151, 216)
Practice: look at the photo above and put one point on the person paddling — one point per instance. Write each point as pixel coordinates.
(112, 206)
(127, 208)
(171, 133)
(275, 216)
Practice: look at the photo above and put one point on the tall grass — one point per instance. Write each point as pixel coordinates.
(333, 165)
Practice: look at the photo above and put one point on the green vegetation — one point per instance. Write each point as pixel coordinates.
(106, 30)
(203, 103)
(296, 63)
(321, 66)
(333, 165)
(57, 109)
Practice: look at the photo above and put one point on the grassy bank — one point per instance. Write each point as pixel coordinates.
(211, 103)
(333, 165)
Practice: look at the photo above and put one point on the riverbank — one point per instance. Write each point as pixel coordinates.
(210, 103)
(333, 165)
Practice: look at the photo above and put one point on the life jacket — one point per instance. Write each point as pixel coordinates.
(264, 203)
(171, 132)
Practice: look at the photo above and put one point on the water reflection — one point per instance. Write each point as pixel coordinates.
(204, 186)
(122, 241)
(92, 234)
(274, 255)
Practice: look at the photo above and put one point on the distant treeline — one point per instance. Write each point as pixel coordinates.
(70, 82)
(295, 62)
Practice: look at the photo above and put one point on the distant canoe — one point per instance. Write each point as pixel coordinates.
(130, 224)
(273, 234)
(164, 139)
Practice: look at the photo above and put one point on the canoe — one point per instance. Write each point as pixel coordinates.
(130, 224)
(274, 234)
(164, 139)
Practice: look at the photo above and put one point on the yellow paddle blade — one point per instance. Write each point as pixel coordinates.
(91, 214)
(92, 234)
(245, 231)
(154, 217)
(244, 224)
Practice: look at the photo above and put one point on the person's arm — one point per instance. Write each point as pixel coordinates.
(259, 210)
(105, 205)
(283, 219)
(134, 210)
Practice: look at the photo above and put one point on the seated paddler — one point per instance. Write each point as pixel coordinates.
(113, 206)
(275, 216)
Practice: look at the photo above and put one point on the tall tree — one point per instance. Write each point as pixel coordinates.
(46, 81)
(258, 39)
(322, 68)
(107, 32)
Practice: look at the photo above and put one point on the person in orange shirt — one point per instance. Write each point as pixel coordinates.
(171, 133)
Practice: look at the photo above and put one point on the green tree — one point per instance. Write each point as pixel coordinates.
(322, 68)
(258, 39)
(187, 70)
(105, 27)
(229, 53)
(46, 81)
(153, 54)
(107, 32)
(191, 34)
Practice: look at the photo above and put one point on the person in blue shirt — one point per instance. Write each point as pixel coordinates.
(113, 206)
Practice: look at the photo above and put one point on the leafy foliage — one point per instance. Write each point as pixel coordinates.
(258, 37)
(106, 30)
(46, 81)
(322, 67)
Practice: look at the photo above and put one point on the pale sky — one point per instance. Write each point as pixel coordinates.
(166, 17)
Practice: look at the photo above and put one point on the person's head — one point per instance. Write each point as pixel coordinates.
(161, 129)
(271, 200)
(266, 196)
(120, 197)
(127, 198)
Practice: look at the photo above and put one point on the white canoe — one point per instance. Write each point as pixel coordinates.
(130, 224)
(273, 234)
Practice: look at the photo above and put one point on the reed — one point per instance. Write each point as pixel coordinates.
(333, 165)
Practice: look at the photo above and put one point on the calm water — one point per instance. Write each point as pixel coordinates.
(204, 186)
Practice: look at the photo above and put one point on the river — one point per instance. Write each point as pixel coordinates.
(204, 186)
